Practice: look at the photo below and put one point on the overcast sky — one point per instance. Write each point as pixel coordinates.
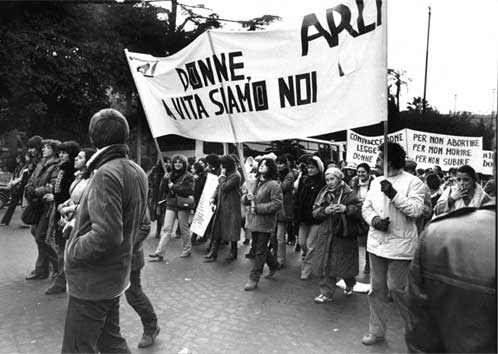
(463, 52)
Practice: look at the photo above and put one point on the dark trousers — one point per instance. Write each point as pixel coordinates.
(14, 201)
(92, 327)
(141, 303)
(46, 256)
(292, 228)
(60, 279)
(263, 255)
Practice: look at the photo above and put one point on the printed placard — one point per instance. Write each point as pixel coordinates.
(203, 212)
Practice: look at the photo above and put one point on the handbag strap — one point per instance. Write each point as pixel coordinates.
(181, 180)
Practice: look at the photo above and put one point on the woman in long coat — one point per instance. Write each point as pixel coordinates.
(227, 219)
(339, 210)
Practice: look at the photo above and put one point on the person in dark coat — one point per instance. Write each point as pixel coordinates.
(100, 247)
(213, 167)
(227, 217)
(339, 210)
(67, 153)
(159, 194)
(16, 187)
(40, 190)
(307, 190)
(451, 296)
(179, 182)
(265, 200)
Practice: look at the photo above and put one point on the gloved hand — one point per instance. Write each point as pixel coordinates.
(387, 188)
(380, 224)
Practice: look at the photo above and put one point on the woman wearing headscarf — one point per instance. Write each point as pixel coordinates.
(466, 193)
(339, 210)
(226, 202)
(179, 182)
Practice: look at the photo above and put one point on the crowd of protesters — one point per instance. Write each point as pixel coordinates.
(90, 211)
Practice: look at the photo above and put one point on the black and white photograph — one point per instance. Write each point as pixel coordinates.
(250, 177)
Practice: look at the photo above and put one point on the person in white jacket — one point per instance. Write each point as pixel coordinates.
(391, 208)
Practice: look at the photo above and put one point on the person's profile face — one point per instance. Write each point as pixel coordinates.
(379, 164)
(312, 170)
(263, 169)
(80, 160)
(47, 151)
(64, 156)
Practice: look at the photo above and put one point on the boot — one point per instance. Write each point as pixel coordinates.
(233, 252)
(251, 285)
(213, 254)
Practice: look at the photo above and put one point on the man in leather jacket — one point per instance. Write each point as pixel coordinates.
(452, 284)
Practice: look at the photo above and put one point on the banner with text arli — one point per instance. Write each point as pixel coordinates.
(326, 74)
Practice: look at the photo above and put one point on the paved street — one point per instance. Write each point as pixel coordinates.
(200, 306)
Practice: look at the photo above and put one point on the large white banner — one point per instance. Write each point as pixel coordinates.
(203, 212)
(326, 75)
(361, 148)
(447, 151)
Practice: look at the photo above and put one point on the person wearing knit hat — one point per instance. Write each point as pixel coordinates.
(338, 209)
(335, 172)
(349, 172)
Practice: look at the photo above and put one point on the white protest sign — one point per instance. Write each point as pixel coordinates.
(446, 151)
(325, 75)
(487, 162)
(203, 212)
(362, 148)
